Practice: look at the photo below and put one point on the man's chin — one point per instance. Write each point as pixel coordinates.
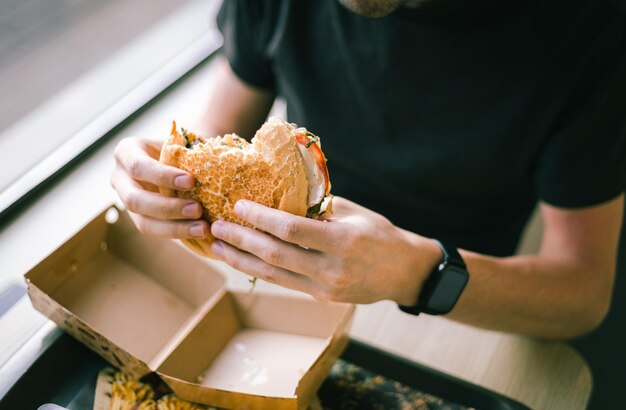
(372, 8)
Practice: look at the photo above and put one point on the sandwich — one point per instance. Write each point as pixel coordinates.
(282, 167)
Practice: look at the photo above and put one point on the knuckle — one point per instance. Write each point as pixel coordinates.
(134, 167)
(334, 275)
(337, 243)
(289, 231)
(274, 255)
(167, 210)
(130, 200)
(232, 236)
(352, 241)
(338, 280)
(163, 176)
(234, 262)
(326, 294)
(269, 275)
(227, 257)
(328, 231)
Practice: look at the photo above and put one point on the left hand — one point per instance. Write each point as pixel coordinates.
(354, 255)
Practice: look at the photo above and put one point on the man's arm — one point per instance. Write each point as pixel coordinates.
(562, 292)
(233, 107)
(359, 256)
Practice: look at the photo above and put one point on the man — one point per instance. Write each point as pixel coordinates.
(445, 119)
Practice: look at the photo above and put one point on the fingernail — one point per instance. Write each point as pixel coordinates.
(197, 231)
(217, 248)
(241, 206)
(217, 229)
(183, 182)
(191, 211)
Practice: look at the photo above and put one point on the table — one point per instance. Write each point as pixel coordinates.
(542, 375)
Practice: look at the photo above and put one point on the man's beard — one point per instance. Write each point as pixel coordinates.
(373, 8)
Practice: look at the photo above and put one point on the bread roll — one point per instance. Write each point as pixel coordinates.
(271, 170)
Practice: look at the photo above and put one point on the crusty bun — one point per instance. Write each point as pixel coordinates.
(271, 170)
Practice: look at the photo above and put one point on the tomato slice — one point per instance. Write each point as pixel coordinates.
(315, 150)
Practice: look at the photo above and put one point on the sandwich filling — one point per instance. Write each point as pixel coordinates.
(316, 170)
(191, 139)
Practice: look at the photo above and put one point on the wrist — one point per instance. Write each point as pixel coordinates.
(423, 257)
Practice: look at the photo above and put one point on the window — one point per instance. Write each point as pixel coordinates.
(72, 70)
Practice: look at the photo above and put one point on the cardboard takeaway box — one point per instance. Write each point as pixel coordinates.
(147, 304)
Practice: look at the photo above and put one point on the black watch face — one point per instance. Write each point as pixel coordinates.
(452, 281)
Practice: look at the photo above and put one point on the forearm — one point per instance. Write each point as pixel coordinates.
(562, 292)
(535, 295)
(234, 107)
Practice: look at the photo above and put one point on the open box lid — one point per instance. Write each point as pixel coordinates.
(113, 289)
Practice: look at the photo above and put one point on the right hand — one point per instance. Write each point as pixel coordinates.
(137, 176)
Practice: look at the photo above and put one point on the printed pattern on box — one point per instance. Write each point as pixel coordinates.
(85, 334)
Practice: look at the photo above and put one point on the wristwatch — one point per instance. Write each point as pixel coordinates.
(443, 287)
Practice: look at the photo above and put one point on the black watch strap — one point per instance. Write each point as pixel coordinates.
(451, 259)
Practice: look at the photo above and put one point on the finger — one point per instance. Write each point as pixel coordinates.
(342, 206)
(303, 231)
(132, 154)
(140, 201)
(170, 229)
(258, 268)
(153, 147)
(269, 249)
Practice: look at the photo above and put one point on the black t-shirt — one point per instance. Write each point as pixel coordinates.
(451, 120)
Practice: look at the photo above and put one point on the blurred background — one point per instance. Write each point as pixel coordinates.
(65, 63)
